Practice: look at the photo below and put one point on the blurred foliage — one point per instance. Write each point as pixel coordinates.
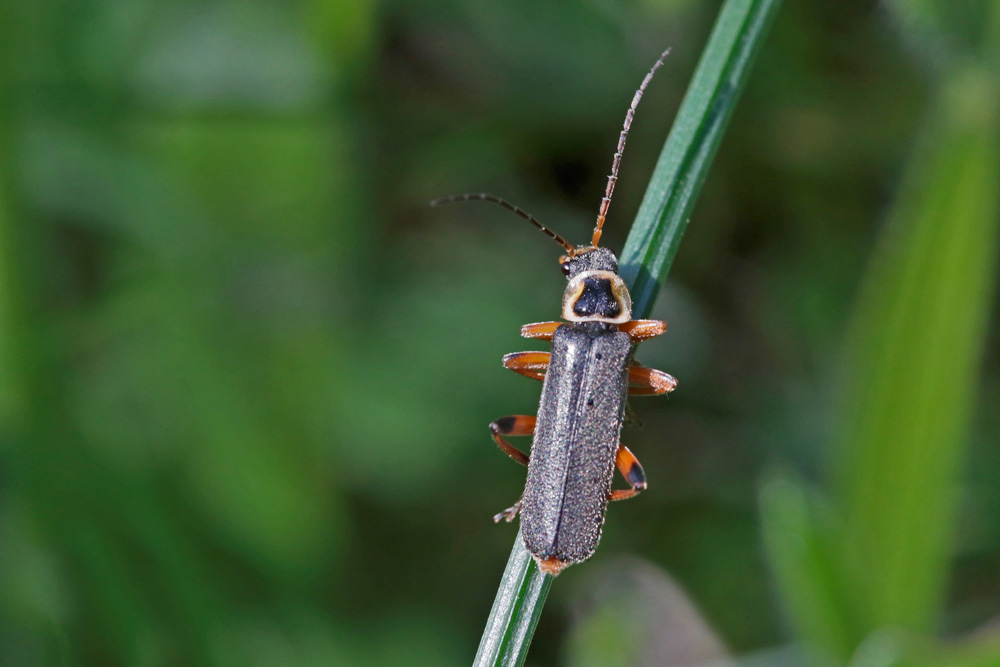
(245, 373)
(879, 557)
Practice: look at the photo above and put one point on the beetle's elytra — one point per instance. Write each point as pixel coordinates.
(587, 377)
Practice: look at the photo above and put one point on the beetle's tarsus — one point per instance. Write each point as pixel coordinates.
(508, 514)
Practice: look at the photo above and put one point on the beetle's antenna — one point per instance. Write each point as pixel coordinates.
(513, 209)
(606, 202)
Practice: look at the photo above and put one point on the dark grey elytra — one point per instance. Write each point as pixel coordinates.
(576, 437)
(587, 377)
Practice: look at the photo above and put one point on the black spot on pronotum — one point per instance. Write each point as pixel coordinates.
(590, 402)
(597, 298)
(503, 425)
(598, 356)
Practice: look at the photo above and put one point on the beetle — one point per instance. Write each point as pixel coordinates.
(586, 378)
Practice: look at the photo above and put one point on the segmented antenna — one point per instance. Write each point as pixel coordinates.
(513, 209)
(606, 201)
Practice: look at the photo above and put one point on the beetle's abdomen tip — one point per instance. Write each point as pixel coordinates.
(551, 566)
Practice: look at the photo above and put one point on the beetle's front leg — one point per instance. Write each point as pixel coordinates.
(640, 330)
(632, 470)
(540, 330)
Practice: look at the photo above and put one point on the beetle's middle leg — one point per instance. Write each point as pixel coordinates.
(528, 364)
(632, 471)
(645, 381)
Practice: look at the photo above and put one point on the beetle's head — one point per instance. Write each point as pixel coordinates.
(595, 293)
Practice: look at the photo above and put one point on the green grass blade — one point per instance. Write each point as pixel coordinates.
(680, 171)
(516, 610)
(893, 648)
(915, 352)
(797, 543)
(649, 250)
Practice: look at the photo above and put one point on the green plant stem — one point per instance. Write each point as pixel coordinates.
(649, 251)
(516, 610)
(694, 139)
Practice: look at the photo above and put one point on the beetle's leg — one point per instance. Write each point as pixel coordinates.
(632, 471)
(509, 513)
(512, 425)
(640, 330)
(528, 364)
(645, 381)
(540, 330)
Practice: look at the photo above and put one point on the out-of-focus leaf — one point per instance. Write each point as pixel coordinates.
(68, 174)
(798, 546)
(229, 55)
(901, 649)
(914, 360)
(946, 30)
(637, 615)
(256, 176)
(345, 29)
(12, 353)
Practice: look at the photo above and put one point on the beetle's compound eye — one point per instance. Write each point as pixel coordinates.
(564, 265)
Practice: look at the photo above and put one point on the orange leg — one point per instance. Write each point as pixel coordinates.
(645, 381)
(540, 330)
(640, 330)
(632, 471)
(528, 364)
(512, 425)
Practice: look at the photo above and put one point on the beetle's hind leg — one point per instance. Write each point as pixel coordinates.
(528, 364)
(632, 471)
(512, 425)
(509, 513)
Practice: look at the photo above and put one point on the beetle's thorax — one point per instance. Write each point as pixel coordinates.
(595, 293)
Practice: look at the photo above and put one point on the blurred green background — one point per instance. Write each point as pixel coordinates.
(246, 371)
